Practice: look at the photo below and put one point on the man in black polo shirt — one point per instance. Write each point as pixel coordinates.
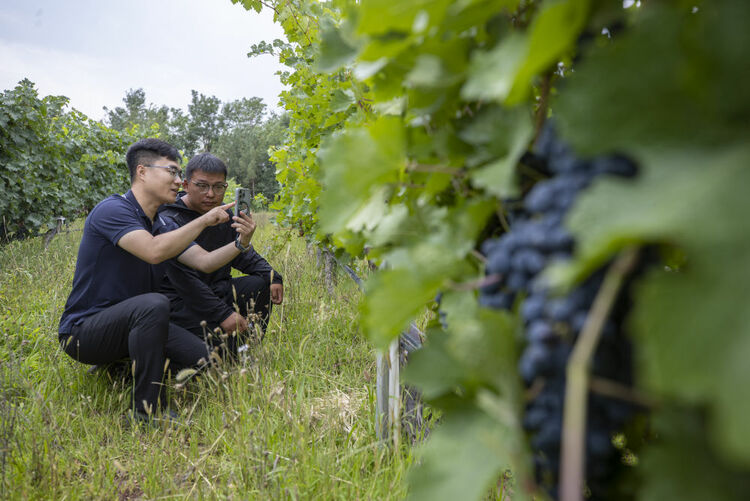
(112, 311)
(216, 298)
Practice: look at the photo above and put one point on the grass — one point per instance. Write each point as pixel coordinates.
(294, 419)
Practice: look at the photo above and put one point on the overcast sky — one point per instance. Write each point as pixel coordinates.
(93, 51)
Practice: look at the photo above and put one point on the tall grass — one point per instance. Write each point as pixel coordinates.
(293, 419)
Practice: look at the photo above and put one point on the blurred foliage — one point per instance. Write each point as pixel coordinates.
(407, 125)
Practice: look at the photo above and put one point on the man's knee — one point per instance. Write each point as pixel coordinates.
(150, 324)
(251, 293)
(152, 306)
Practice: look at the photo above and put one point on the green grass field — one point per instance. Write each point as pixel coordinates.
(293, 420)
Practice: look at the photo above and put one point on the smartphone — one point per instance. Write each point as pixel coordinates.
(243, 199)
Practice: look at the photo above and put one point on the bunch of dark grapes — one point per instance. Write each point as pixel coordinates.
(552, 323)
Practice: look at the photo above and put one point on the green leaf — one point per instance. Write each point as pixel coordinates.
(466, 455)
(687, 93)
(394, 298)
(341, 100)
(682, 464)
(467, 14)
(702, 321)
(427, 72)
(371, 213)
(490, 73)
(354, 164)
(336, 50)
(672, 193)
(377, 17)
(477, 351)
(505, 72)
(696, 317)
(432, 368)
(392, 226)
(552, 33)
(504, 135)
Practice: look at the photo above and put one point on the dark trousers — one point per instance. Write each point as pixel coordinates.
(137, 328)
(250, 296)
(254, 299)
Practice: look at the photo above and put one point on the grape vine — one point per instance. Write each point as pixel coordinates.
(552, 323)
(53, 162)
(420, 129)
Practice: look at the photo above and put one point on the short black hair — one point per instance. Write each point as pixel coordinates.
(205, 162)
(149, 150)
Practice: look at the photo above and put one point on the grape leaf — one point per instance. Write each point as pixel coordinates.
(505, 72)
(477, 350)
(341, 100)
(377, 17)
(402, 294)
(255, 5)
(682, 465)
(335, 49)
(432, 368)
(430, 255)
(690, 92)
(465, 456)
(502, 135)
(427, 72)
(353, 164)
(692, 326)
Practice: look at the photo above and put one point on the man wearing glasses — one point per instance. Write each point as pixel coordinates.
(197, 296)
(113, 311)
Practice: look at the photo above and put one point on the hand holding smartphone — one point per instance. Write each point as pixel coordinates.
(243, 199)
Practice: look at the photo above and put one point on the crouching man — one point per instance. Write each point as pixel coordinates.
(217, 298)
(113, 310)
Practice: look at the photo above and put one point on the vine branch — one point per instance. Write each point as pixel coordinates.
(541, 111)
(573, 454)
(417, 167)
(613, 389)
(268, 5)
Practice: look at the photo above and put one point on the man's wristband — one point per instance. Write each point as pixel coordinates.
(241, 247)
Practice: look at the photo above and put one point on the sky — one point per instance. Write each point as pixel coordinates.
(94, 51)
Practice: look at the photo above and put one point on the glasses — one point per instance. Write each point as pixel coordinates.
(173, 171)
(218, 188)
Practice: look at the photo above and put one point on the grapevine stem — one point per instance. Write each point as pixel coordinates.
(475, 284)
(541, 112)
(417, 167)
(613, 389)
(572, 467)
(503, 220)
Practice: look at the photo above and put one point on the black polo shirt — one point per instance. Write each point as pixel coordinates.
(105, 273)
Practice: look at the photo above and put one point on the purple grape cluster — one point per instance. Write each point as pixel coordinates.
(552, 323)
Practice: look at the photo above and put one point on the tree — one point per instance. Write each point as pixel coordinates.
(204, 126)
(237, 131)
(245, 151)
(245, 112)
(137, 112)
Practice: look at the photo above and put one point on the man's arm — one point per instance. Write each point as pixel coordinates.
(198, 258)
(200, 300)
(155, 249)
(252, 263)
